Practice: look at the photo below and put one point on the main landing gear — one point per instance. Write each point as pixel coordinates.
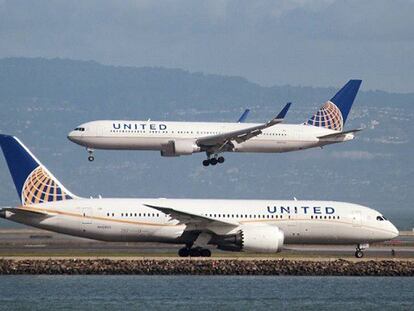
(90, 157)
(359, 250)
(194, 252)
(213, 161)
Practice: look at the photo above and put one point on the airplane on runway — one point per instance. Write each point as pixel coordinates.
(231, 225)
(325, 127)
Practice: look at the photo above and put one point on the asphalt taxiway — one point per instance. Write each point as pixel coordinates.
(26, 243)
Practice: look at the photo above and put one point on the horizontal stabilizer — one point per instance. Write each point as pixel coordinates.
(24, 211)
(340, 133)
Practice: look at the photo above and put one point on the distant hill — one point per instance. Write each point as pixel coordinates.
(42, 99)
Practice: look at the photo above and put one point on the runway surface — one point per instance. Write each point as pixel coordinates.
(24, 243)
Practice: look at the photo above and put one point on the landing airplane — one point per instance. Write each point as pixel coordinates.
(230, 225)
(325, 127)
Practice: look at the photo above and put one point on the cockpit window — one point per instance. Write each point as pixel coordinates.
(380, 218)
(81, 129)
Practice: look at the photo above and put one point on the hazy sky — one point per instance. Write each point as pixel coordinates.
(300, 42)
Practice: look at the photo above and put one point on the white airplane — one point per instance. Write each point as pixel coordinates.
(232, 225)
(325, 127)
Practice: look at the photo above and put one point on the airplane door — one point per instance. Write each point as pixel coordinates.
(356, 219)
(87, 214)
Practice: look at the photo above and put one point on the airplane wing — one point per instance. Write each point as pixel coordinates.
(191, 218)
(243, 116)
(241, 135)
(339, 134)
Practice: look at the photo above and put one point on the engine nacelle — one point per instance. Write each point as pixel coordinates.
(262, 239)
(253, 238)
(175, 148)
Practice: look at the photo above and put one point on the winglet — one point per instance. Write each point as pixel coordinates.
(243, 116)
(284, 111)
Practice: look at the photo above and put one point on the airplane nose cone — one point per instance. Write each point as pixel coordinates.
(74, 137)
(394, 231)
(71, 136)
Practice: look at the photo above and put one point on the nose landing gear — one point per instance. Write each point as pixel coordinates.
(90, 157)
(359, 253)
(359, 250)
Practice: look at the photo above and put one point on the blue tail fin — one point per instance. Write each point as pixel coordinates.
(333, 113)
(34, 183)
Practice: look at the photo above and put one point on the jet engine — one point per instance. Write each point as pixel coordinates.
(262, 239)
(175, 148)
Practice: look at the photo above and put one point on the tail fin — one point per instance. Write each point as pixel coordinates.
(34, 183)
(333, 113)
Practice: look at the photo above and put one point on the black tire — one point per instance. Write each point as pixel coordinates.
(220, 160)
(195, 252)
(205, 253)
(91, 158)
(359, 254)
(206, 162)
(184, 252)
(213, 161)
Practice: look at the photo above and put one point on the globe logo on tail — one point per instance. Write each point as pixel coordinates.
(40, 187)
(328, 116)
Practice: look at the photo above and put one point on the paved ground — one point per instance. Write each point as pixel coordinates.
(23, 243)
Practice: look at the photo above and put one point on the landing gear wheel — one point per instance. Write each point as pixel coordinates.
(213, 161)
(206, 162)
(195, 252)
(91, 158)
(359, 254)
(205, 252)
(220, 160)
(184, 252)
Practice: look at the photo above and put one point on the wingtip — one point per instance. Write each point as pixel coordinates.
(284, 111)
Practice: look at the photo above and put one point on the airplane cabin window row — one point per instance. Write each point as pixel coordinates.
(135, 214)
(254, 216)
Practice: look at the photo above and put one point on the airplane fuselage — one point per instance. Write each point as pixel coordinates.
(156, 135)
(302, 222)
